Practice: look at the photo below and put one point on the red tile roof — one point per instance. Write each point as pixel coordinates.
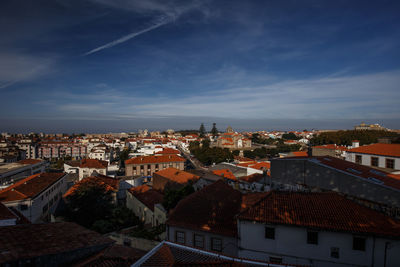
(147, 195)
(300, 153)
(168, 150)
(328, 211)
(109, 184)
(261, 165)
(154, 159)
(226, 173)
(30, 241)
(29, 161)
(177, 176)
(93, 164)
(392, 150)
(29, 187)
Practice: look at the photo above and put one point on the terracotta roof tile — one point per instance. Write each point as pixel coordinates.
(328, 211)
(168, 150)
(177, 176)
(109, 183)
(147, 195)
(300, 153)
(33, 240)
(211, 209)
(392, 150)
(155, 159)
(93, 164)
(226, 173)
(29, 187)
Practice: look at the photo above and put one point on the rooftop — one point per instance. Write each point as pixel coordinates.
(34, 240)
(109, 183)
(226, 173)
(392, 150)
(168, 150)
(147, 195)
(328, 211)
(29, 187)
(177, 176)
(93, 164)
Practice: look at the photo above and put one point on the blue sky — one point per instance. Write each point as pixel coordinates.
(114, 65)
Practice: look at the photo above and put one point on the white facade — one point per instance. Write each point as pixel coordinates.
(86, 172)
(290, 244)
(39, 208)
(366, 159)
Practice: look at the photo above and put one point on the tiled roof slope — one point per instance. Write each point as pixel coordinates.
(168, 150)
(226, 173)
(357, 170)
(29, 187)
(33, 240)
(109, 183)
(392, 150)
(154, 159)
(29, 161)
(328, 211)
(177, 176)
(212, 209)
(147, 195)
(93, 164)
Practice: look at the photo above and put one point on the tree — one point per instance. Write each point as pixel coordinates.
(214, 130)
(202, 130)
(90, 202)
(173, 196)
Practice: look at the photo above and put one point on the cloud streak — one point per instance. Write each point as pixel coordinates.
(128, 37)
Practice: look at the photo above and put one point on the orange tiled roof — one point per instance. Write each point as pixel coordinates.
(93, 164)
(147, 195)
(110, 184)
(226, 173)
(168, 150)
(328, 211)
(261, 165)
(392, 150)
(154, 159)
(300, 153)
(29, 187)
(177, 176)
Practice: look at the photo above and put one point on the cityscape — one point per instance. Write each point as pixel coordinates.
(200, 133)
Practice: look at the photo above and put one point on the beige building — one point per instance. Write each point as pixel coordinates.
(233, 140)
(148, 165)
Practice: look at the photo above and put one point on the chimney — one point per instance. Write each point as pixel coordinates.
(355, 143)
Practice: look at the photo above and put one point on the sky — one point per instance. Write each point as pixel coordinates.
(123, 65)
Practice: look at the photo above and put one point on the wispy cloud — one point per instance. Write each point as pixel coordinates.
(125, 38)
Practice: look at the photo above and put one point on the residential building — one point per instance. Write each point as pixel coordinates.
(30, 147)
(12, 172)
(146, 166)
(89, 167)
(61, 149)
(332, 150)
(172, 178)
(101, 152)
(146, 203)
(384, 156)
(364, 126)
(329, 173)
(317, 229)
(206, 219)
(35, 196)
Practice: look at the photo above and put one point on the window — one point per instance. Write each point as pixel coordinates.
(216, 244)
(358, 159)
(269, 232)
(198, 241)
(374, 161)
(390, 163)
(358, 243)
(180, 237)
(334, 252)
(312, 237)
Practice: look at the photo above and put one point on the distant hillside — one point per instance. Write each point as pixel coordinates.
(346, 137)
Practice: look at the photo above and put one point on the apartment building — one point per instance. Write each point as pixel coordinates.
(12, 172)
(60, 149)
(146, 166)
(35, 196)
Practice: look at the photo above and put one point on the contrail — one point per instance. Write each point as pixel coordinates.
(127, 37)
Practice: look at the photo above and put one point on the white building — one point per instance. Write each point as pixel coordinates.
(376, 155)
(35, 196)
(317, 229)
(101, 152)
